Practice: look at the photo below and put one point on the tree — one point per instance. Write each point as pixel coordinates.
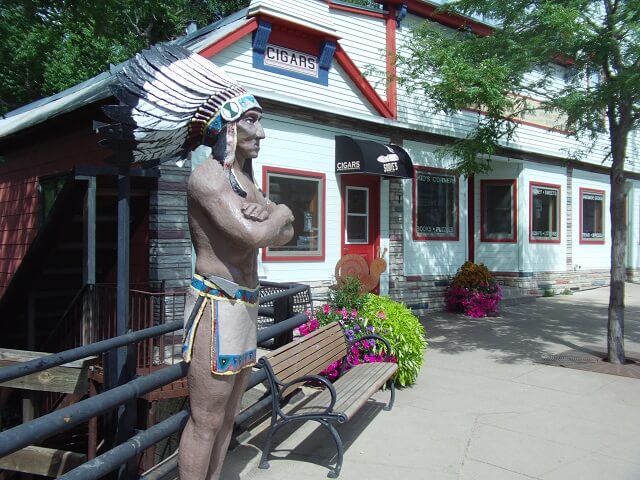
(50, 45)
(596, 45)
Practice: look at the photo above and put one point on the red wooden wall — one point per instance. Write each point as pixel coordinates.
(57, 146)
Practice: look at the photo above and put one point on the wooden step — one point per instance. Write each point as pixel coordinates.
(48, 462)
(71, 377)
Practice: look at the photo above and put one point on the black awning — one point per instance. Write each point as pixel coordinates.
(373, 158)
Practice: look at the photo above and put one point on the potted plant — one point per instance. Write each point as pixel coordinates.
(473, 291)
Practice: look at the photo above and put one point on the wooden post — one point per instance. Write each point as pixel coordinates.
(120, 363)
(29, 396)
(89, 265)
(92, 442)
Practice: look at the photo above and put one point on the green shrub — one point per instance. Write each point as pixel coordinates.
(347, 294)
(548, 292)
(405, 333)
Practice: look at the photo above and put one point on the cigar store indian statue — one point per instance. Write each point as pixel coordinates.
(172, 101)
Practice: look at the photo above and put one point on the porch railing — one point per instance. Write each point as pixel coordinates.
(66, 418)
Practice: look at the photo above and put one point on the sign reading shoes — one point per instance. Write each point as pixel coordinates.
(287, 59)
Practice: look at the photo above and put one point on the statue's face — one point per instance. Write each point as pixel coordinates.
(250, 132)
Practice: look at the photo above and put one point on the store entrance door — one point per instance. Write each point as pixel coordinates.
(361, 215)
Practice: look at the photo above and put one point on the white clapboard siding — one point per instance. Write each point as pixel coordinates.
(415, 109)
(341, 93)
(500, 257)
(586, 256)
(311, 14)
(632, 163)
(542, 257)
(633, 225)
(432, 257)
(364, 40)
(308, 148)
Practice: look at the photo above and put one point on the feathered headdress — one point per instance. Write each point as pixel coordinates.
(171, 101)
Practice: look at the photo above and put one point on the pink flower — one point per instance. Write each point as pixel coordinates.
(381, 315)
(326, 309)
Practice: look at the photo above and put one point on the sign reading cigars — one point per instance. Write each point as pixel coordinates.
(292, 60)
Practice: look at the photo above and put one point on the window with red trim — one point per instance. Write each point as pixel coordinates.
(304, 193)
(544, 214)
(498, 211)
(435, 204)
(592, 216)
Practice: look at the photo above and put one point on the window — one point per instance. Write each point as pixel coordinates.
(544, 215)
(357, 215)
(591, 216)
(435, 204)
(498, 210)
(49, 187)
(303, 193)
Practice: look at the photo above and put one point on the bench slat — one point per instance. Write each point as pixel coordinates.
(306, 349)
(311, 364)
(332, 327)
(357, 393)
(353, 389)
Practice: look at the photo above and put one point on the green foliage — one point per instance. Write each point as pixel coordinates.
(595, 47)
(402, 329)
(567, 291)
(50, 45)
(548, 292)
(473, 276)
(347, 294)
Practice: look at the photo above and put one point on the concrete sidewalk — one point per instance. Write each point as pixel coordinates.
(483, 408)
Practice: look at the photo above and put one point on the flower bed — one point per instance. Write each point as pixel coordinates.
(372, 314)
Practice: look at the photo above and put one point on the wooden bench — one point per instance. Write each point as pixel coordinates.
(300, 362)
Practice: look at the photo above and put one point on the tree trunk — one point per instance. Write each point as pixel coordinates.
(615, 330)
(615, 325)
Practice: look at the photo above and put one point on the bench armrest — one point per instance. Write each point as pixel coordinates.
(316, 378)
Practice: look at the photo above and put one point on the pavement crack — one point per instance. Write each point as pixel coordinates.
(468, 444)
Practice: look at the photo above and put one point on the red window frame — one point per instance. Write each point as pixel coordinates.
(582, 240)
(278, 256)
(456, 189)
(514, 211)
(532, 185)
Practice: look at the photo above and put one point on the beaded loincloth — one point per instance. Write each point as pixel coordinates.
(233, 325)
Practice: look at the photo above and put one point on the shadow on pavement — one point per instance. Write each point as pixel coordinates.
(304, 442)
(532, 331)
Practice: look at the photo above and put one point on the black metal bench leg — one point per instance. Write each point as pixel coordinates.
(264, 460)
(336, 437)
(392, 387)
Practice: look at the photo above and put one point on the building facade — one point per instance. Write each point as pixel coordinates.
(324, 73)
